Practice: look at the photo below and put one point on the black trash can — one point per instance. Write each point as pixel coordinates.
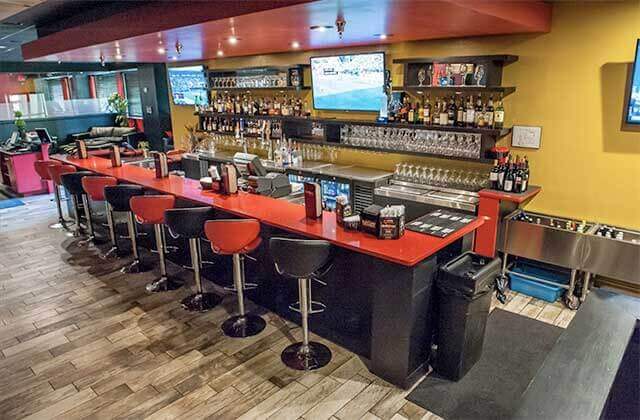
(464, 297)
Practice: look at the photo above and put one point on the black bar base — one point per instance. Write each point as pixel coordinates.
(317, 356)
(201, 302)
(164, 284)
(240, 326)
(135, 268)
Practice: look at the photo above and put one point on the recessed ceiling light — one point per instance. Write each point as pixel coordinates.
(295, 44)
(117, 44)
(233, 40)
(161, 50)
(2, 47)
(320, 28)
(174, 58)
(382, 36)
(118, 57)
(220, 53)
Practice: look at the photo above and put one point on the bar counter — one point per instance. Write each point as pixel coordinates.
(378, 294)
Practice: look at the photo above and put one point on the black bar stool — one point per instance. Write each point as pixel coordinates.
(118, 197)
(73, 184)
(303, 260)
(189, 223)
(237, 237)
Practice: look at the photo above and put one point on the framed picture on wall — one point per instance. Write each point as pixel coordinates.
(526, 136)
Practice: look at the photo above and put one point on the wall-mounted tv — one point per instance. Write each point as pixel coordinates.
(188, 85)
(353, 82)
(632, 114)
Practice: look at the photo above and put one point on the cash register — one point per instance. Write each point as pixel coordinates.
(261, 182)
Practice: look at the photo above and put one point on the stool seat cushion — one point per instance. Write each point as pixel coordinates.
(42, 168)
(236, 236)
(94, 186)
(299, 258)
(118, 196)
(150, 209)
(56, 171)
(188, 222)
(73, 181)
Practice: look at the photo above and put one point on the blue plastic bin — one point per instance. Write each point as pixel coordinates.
(536, 289)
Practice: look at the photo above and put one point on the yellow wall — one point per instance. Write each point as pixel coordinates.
(570, 81)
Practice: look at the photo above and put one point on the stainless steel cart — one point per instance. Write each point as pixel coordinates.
(544, 242)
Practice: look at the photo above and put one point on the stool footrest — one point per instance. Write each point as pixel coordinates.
(316, 307)
(135, 267)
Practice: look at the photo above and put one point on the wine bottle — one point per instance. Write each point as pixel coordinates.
(493, 175)
(498, 115)
(509, 179)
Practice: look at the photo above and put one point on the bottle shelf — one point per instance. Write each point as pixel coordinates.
(505, 90)
(248, 89)
(492, 132)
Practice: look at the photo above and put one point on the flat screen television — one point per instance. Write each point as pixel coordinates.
(632, 114)
(353, 82)
(188, 85)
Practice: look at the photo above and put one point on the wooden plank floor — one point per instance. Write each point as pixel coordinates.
(80, 340)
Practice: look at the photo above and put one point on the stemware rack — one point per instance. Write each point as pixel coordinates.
(332, 133)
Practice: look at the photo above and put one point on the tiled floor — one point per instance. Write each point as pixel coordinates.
(78, 339)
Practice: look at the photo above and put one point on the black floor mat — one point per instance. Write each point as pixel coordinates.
(514, 349)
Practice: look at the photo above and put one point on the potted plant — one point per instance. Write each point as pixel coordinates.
(20, 124)
(119, 105)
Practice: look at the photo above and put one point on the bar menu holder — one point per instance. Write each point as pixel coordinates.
(229, 177)
(161, 164)
(312, 200)
(81, 148)
(391, 222)
(116, 160)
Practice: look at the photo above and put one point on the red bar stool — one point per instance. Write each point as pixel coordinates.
(56, 172)
(237, 238)
(42, 169)
(189, 223)
(94, 188)
(149, 210)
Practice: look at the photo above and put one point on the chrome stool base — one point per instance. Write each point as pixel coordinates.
(201, 302)
(314, 356)
(135, 267)
(241, 326)
(164, 284)
(113, 253)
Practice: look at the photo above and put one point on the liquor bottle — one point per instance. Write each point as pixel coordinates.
(470, 114)
(435, 114)
(452, 111)
(493, 175)
(479, 113)
(410, 114)
(488, 113)
(498, 115)
(517, 183)
(509, 179)
(460, 113)
(420, 113)
(427, 112)
(525, 174)
(444, 113)
(501, 173)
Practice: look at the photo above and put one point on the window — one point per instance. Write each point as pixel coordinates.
(106, 85)
(132, 89)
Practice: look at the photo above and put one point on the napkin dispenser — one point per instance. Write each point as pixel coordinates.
(81, 148)
(161, 164)
(116, 159)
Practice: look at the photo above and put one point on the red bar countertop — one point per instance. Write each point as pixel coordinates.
(409, 250)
